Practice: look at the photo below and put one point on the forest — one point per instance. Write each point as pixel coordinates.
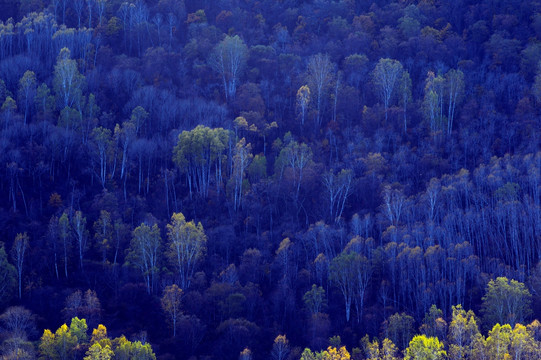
(270, 179)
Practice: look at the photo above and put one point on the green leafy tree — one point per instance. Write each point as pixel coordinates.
(125, 349)
(98, 352)
(134, 351)
(433, 322)
(506, 302)
(373, 350)
(315, 300)
(79, 329)
(47, 348)
(187, 246)
(388, 351)
(422, 347)
(198, 152)
(399, 328)
(462, 332)
(523, 345)
(307, 354)
(65, 342)
(479, 348)
(498, 342)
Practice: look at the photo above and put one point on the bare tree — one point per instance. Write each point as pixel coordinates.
(78, 224)
(241, 160)
(405, 90)
(90, 5)
(229, 59)
(78, 6)
(455, 91)
(158, 20)
(100, 7)
(386, 76)
(17, 253)
(18, 322)
(338, 187)
(319, 75)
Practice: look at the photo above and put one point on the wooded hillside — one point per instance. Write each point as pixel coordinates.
(252, 178)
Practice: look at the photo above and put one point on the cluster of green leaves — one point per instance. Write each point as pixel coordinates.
(71, 342)
(461, 339)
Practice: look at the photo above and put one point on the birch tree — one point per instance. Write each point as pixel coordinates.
(297, 156)
(68, 82)
(241, 160)
(171, 302)
(343, 272)
(64, 229)
(187, 245)
(405, 95)
(386, 77)
(338, 188)
(78, 224)
(199, 151)
(455, 92)
(228, 59)
(320, 73)
(144, 251)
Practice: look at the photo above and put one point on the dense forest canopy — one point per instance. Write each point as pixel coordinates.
(319, 179)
